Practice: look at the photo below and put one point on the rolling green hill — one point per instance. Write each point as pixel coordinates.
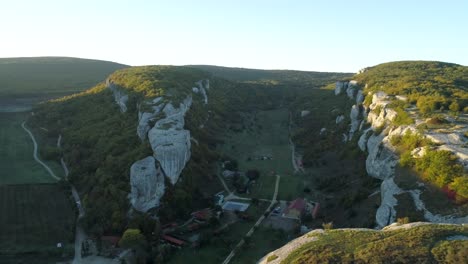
(48, 77)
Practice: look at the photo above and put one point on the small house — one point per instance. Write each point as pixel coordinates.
(296, 209)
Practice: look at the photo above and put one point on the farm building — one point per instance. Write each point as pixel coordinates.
(203, 215)
(296, 209)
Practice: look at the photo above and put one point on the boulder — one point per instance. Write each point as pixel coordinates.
(323, 130)
(147, 184)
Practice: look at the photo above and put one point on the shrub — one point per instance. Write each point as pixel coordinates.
(327, 226)
(271, 258)
(403, 220)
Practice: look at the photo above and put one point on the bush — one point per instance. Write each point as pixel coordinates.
(403, 220)
(271, 258)
(327, 226)
(132, 238)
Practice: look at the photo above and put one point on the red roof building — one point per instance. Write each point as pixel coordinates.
(203, 215)
(296, 209)
(111, 240)
(173, 240)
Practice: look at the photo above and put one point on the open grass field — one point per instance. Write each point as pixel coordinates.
(34, 218)
(265, 135)
(17, 165)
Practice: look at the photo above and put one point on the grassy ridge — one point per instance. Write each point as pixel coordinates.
(420, 244)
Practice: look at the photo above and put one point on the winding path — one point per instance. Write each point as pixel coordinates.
(259, 221)
(35, 153)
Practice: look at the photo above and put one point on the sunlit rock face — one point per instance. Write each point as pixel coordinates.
(147, 184)
(386, 213)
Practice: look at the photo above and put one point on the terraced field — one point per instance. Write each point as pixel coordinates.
(35, 218)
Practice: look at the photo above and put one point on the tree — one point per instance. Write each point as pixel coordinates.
(253, 174)
(454, 107)
(132, 238)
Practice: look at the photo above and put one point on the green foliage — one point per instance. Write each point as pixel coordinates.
(420, 244)
(453, 251)
(402, 118)
(154, 81)
(132, 238)
(403, 220)
(271, 258)
(431, 85)
(409, 141)
(327, 226)
(440, 167)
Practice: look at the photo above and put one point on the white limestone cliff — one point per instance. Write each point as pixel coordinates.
(147, 184)
(355, 120)
(170, 141)
(340, 87)
(386, 213)
(154, 107)
(382, 158)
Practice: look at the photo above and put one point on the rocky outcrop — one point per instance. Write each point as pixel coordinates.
(355, 120)
(415, 194)
(340, 87)
(379, 114)
(339, 119)
(162, 123)
(382, 158)
(359, 97)
(386, 213)
(362, 143)
(120, 97)
(203, 87)
(170, 141)
(147, 184)
(153, 107)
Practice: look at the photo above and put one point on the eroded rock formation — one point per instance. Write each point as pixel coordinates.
(147, 184)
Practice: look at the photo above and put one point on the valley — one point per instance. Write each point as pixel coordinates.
(218, 164)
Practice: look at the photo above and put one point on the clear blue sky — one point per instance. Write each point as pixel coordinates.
(304, 35)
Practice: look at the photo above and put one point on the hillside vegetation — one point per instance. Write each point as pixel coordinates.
(51, 76)
(431, 85)
(426, 243)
